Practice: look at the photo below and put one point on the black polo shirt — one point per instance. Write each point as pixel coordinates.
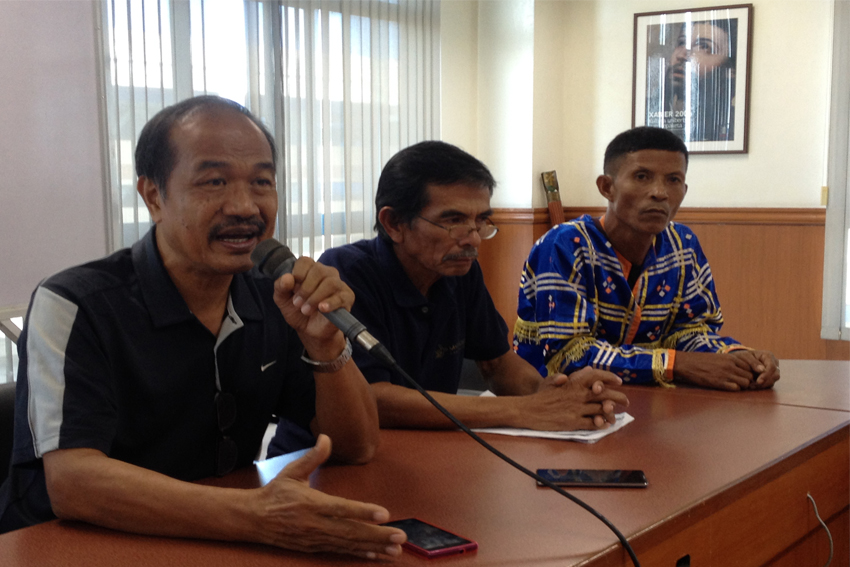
(428, 336)
(112, 359)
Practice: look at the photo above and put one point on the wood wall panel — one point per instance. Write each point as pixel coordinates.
(502, 258)
(767, 266)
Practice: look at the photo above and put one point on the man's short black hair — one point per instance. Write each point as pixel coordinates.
(404, 181)
(641, 138)
(155, 154)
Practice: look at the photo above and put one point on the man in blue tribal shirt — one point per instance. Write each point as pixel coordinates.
(632, 292)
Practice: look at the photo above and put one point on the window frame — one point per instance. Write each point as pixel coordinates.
(835, 323)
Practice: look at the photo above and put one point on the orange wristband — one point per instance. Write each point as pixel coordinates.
(671, 361)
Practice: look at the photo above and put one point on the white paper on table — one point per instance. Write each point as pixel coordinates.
(584, 436)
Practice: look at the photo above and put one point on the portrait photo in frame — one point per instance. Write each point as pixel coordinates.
(691, 75)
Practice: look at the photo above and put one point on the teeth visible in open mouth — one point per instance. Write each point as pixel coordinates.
(236, 239)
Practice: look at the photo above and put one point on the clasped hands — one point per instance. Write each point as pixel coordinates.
(734, 371)
(582, 400)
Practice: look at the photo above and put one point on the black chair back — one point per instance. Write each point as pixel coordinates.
(471, 379)
(7, 426)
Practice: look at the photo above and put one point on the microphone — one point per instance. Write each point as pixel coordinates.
(275, 259)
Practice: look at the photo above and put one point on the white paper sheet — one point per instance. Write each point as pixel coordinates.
(623, 419)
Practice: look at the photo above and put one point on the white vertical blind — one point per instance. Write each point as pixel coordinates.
(360, 81)
(343, 85)
(836, 274)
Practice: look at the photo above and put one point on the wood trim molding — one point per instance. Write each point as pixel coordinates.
(815, 216)
(521, 216)
(753, 216)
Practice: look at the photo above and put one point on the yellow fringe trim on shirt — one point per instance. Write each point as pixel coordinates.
(573, 351)
(527, 331)
(659, 368)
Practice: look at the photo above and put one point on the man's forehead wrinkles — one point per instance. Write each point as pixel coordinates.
(459, 213)
(657, 170)
(211, 164)
(208, 164)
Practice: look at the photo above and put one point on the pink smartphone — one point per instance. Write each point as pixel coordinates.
(431, 541)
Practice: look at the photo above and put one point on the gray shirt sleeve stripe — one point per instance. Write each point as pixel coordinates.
(49, 327)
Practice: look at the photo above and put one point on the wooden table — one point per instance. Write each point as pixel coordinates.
(728, 478)
(821, 384)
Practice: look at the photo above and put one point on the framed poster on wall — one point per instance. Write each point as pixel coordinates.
(691, 75)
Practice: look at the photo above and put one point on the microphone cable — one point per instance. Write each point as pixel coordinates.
(275, 259)
(381, 353)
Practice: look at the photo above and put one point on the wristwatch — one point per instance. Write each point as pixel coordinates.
(331, 365)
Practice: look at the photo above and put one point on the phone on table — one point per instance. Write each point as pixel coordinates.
(429, 540)
(594, 477)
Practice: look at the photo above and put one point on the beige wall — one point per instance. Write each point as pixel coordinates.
(582, 83)
(459, 73)
(52, 202)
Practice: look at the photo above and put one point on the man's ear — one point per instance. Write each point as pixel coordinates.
(605, 184)
(149, 192)
(389, 220)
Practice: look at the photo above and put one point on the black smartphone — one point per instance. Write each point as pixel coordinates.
(594, 477)
(429, 540)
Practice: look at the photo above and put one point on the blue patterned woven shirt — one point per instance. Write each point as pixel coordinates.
(576, 307)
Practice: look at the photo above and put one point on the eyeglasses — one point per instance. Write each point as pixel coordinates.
(486, 230)
(227, 451)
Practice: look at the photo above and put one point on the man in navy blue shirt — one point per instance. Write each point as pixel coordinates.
(419, 290)
(163, 364)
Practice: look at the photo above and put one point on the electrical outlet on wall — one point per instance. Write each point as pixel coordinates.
(824, 195)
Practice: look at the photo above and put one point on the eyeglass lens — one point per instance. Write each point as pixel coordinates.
(485, 231)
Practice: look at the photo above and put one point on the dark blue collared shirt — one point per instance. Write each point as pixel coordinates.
(428, 336)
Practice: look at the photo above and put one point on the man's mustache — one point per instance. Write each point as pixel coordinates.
(467, 253)
(232, 225)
